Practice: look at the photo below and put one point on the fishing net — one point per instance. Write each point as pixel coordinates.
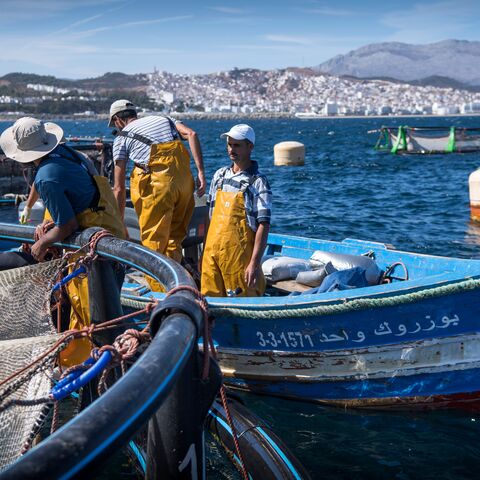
(429, 139)
(26, 332)
(423, 142)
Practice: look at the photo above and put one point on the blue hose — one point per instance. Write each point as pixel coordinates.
(67, 278)
(76, 380)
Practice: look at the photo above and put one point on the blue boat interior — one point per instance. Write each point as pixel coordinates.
(408, 271)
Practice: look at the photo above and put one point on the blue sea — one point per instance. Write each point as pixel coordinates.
(347, 189)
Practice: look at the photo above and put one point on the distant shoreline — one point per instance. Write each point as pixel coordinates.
(230, 116)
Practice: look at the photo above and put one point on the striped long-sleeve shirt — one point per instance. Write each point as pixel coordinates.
(156, 128)
(257, 192)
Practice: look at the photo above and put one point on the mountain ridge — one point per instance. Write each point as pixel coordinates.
(455, 59)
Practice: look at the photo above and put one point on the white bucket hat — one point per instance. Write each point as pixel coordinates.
(29, 139)
(120, 106)
(242, 131)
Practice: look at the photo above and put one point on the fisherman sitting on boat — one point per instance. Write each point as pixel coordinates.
(161, 183)
(240, 202)
(73, 197)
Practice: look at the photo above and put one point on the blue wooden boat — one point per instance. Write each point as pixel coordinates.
(413, 342)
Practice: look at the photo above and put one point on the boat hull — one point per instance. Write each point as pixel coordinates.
(415, 348)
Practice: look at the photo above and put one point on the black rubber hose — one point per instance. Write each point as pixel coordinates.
(160, 267)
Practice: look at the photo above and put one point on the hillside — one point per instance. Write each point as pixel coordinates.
(108, 81)
(458, 60)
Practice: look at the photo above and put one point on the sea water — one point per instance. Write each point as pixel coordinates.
(346, 189)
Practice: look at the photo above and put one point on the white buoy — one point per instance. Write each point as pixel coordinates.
(474, 192)
(289, 153)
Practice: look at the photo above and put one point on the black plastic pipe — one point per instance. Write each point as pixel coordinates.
(266, 457)
(113, 418)
(158, 266)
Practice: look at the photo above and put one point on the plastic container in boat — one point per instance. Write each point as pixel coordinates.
(36, 213)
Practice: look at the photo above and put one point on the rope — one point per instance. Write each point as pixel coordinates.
(243, 468)
(36, 427)
(60, 344)
(123, 349)
(40, 363)
(347, 305)
(25, 403)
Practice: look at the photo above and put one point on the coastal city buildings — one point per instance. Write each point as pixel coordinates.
(304, 92)
(295, 91)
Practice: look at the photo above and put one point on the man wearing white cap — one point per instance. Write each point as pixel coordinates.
(240, 202)
(161, 183)
(73, 197)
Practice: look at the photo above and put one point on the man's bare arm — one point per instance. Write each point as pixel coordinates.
(253, 268)
(56, 234)
(188, 134)
(119, 189)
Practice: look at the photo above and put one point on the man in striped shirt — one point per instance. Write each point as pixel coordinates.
(240, 202)
(161, 183)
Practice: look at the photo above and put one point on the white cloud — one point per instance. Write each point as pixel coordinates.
(26, 10)
(228, 10)
(330, 12)
(288, 39)
(93, 31)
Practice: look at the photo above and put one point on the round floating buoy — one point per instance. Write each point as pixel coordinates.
(474, 191)
(289, 153)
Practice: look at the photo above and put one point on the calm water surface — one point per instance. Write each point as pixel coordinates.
(346, 189)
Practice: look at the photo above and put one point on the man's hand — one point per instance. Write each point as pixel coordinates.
(201, 184)
(251, 274)
(25, 215)
(38, 250)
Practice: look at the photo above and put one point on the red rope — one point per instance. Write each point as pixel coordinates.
(223, 396)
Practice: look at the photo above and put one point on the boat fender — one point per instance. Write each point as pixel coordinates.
(344, 261)
(177, 303)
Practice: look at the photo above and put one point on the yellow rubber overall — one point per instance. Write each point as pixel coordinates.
(163, 200)
(228, 249)
(107, 217)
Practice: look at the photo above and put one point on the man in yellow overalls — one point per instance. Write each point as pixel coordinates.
(240, 202)
(161, 183)
(74, 199)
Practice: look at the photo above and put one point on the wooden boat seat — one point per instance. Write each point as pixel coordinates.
(289, 286)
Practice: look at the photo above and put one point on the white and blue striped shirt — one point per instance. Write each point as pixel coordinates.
(257, 192)
(156, 128)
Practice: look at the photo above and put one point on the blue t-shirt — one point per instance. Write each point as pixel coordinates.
(64, 185)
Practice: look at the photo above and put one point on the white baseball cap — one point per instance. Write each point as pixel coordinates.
(120, 106)
(242, 131)
(29, 139)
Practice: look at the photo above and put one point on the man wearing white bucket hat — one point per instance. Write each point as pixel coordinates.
(240, 202)
(74, 199)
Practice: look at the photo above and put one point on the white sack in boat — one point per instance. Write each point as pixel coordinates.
(284, 268)
(314, 278)
(343, 261)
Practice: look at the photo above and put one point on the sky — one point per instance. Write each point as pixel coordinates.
(87, 38)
